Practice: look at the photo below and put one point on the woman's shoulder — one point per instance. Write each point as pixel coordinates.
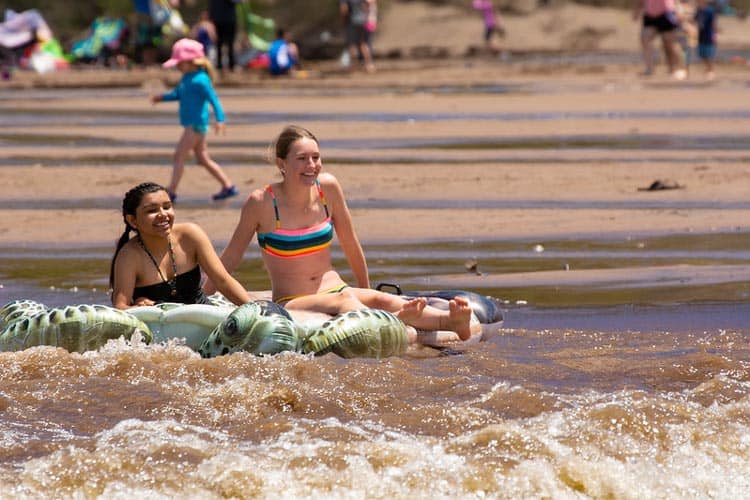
(330, 185)
(327, 179)
(259, 195)
(129, 250)
(190, 237)
(256, 201)
(187, 229)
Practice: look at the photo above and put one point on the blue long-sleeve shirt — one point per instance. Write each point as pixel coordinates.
(195, 92)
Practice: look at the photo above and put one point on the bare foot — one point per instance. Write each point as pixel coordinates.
(412, 310)
(459, 317)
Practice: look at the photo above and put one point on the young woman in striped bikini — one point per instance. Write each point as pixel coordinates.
(295, 220)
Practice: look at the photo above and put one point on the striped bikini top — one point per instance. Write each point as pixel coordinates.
(291, 243)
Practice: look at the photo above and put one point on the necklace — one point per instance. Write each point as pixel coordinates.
(173, 282)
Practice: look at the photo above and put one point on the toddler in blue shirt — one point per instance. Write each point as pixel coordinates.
(195, 93)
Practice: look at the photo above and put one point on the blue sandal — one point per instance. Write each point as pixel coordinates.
(225, 193)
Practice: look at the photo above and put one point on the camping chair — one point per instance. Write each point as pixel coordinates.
(106, 38)
(260, 31)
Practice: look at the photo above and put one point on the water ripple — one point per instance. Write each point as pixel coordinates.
(22, 117)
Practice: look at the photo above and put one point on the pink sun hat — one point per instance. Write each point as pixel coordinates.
(185, 49)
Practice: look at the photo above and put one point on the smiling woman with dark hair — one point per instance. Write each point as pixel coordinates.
(163, 262)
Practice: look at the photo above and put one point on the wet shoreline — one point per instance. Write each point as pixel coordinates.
(684, 281)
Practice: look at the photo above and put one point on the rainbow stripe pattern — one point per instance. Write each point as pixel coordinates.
(291, 243)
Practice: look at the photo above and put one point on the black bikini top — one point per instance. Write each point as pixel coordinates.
(189, 289)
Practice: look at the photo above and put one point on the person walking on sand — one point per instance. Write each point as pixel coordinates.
(371, 25)
(163, 262)
(295, 221)
(354, 14)
(195, 92)
(705, 20)
(223, 14)
(492, 24)
(659, 18)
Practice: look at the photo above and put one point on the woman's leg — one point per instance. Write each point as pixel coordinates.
(672, 53)
(418, 314)
(200, 149)
(648, 34)
(366, 56)
(328, 303)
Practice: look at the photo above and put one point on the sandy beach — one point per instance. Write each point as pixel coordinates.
(547, 140)
(505, 164)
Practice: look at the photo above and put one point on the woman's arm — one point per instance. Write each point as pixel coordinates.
(212, 266)
(124, 280)
(342, 223)
(243, 234)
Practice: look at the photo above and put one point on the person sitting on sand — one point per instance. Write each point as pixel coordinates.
(163, 262)
(295, 220)
(283, 54)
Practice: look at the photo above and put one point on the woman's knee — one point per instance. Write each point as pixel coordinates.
(385, 301)
(346, 300)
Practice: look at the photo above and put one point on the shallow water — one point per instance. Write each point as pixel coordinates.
(614, 399)
(528, 413)
(26, 118)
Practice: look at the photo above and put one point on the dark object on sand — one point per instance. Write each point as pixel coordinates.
(471, 266)
(661, 185)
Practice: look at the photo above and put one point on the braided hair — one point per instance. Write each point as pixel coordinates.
(130, 203)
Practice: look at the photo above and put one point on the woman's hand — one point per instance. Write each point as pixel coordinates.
(143, 301)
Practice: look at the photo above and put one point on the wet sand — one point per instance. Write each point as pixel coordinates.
(450, 159)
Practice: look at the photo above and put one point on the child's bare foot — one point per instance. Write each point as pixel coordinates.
(412, 310)
(459, 317)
